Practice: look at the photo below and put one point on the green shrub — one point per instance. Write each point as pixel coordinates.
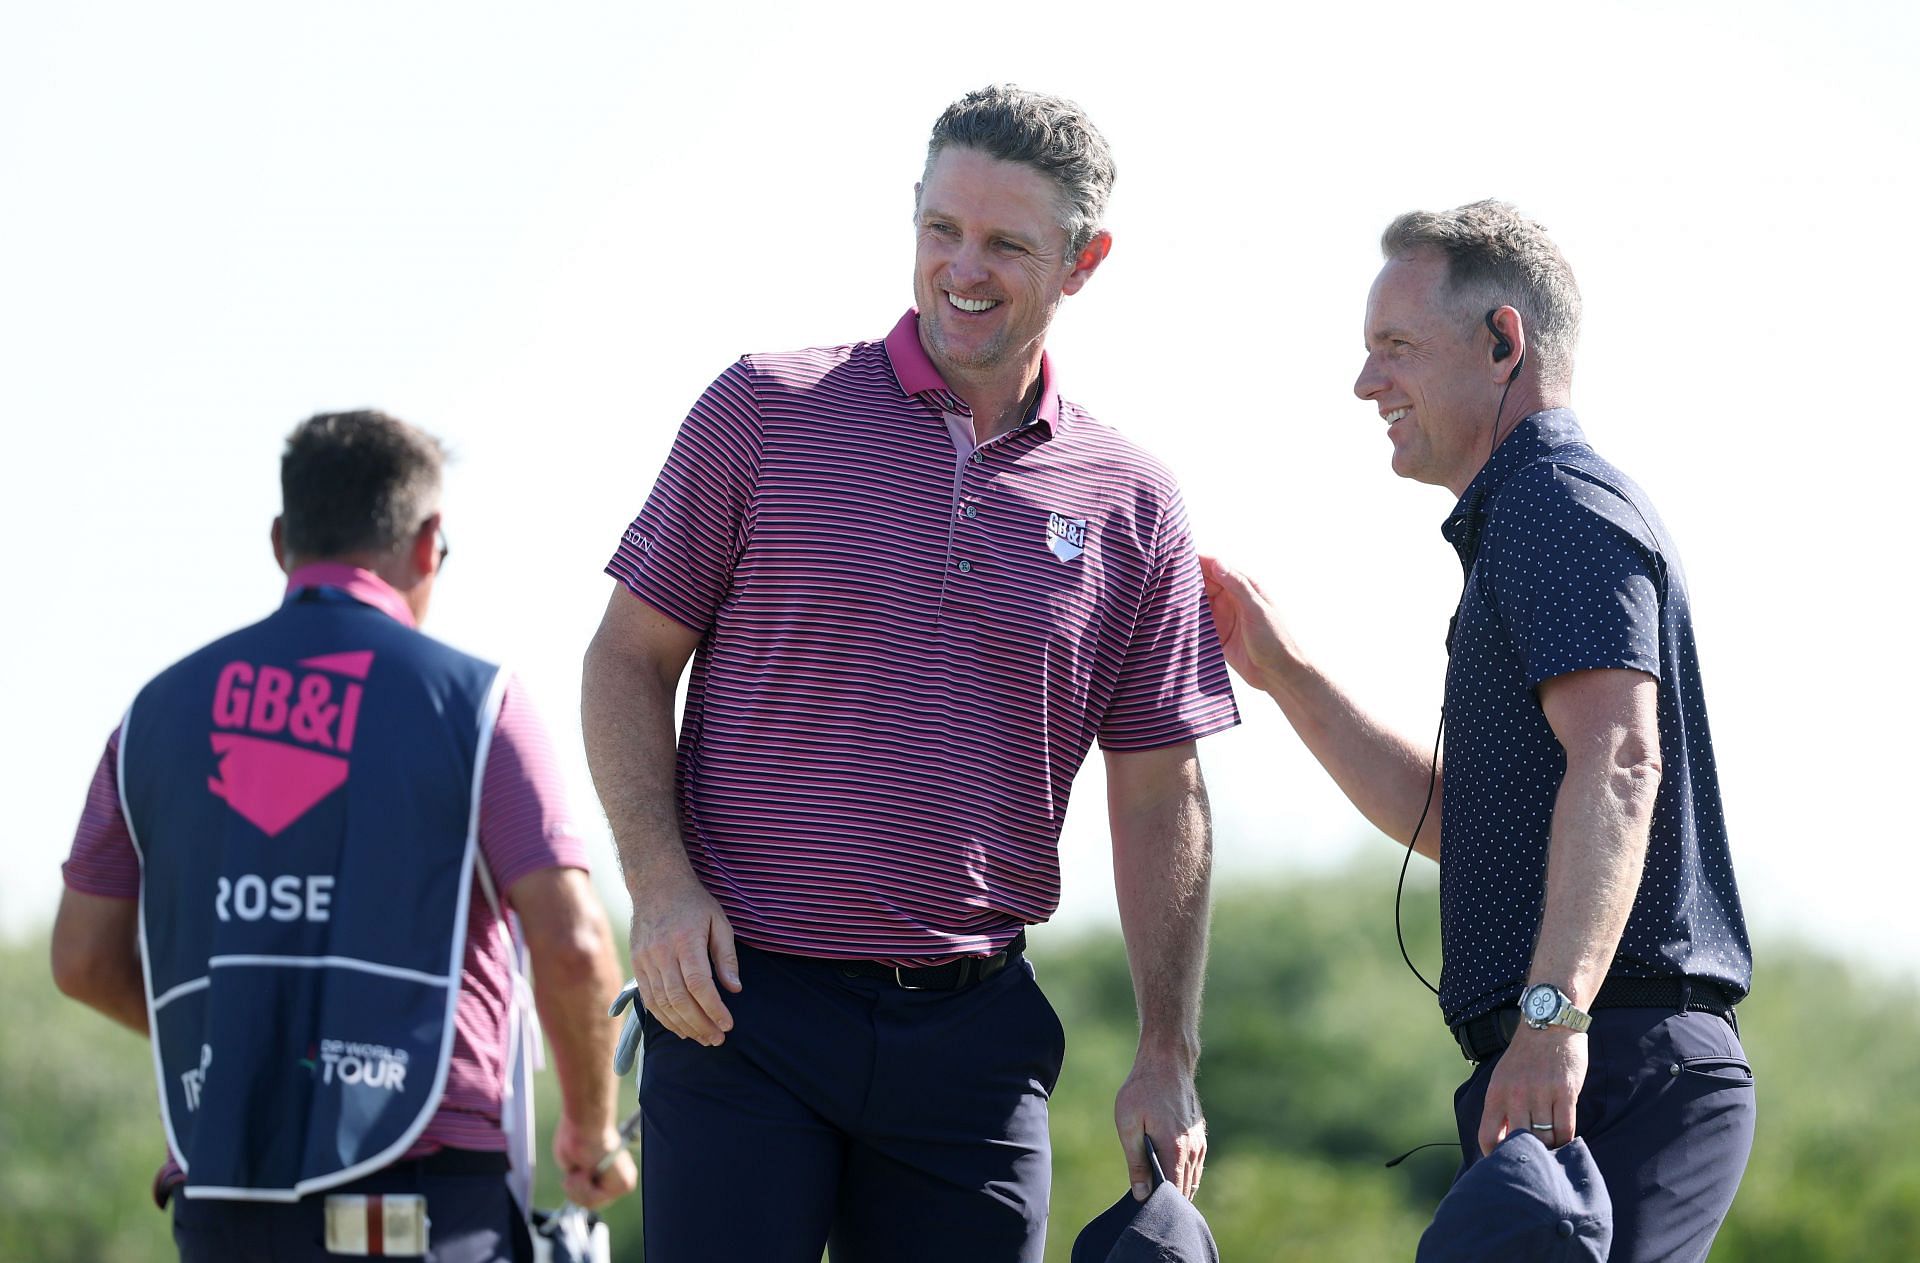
(1306, 1096)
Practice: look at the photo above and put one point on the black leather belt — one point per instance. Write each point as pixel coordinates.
(1488, 1034)
(951, 976)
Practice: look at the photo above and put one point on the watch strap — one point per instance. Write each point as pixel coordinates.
(1576, 1020)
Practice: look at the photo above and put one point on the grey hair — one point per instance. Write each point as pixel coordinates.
(1048, 133)
(1497, 257)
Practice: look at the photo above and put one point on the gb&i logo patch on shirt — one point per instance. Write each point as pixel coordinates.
(1066, 536)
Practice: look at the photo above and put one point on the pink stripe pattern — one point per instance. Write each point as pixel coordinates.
(904, 662)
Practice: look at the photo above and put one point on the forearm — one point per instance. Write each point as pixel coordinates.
(575, 977)
(1390, 778)
(96, 956)
(1162, 865)
(1607, 722)
(626, 710)
(1597, 849)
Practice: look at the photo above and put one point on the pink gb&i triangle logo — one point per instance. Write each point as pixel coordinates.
(283, 737)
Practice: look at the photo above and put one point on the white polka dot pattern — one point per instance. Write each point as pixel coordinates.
(1570, 569)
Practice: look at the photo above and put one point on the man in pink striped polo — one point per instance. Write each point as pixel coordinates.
(916, 585)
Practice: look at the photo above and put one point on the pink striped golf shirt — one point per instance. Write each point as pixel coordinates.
(524, 827)
(908, 645)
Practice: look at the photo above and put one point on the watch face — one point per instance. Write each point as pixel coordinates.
(1540, 1003)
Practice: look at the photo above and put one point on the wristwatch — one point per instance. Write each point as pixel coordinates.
(1544, 1005)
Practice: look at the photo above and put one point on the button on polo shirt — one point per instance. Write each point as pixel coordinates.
(1570, 569)
(904, 660)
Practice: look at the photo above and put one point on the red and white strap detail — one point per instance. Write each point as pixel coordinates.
(373, 1225)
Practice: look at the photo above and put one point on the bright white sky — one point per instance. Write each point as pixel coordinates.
(539, 232)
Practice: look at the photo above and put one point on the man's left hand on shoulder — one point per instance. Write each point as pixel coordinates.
(1536, 1083)
(1158, 1100)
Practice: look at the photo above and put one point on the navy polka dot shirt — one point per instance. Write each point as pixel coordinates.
(1569, 569)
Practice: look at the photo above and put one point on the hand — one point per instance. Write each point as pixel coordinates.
(1158, 1100)
(1255, 641)
(1537, 1080)
(680, 941)
(579, 1150)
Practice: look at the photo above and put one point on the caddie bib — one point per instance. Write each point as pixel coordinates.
(304, 797)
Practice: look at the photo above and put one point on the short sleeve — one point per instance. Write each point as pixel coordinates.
(103, 860)
(678, 555)
(1173, 684)
(525, 824)
(1574, 576)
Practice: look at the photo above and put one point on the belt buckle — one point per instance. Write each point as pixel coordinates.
(900, 980)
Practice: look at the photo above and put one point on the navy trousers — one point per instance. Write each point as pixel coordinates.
(847, 1113)
(474, 1220)
(1668, 1111)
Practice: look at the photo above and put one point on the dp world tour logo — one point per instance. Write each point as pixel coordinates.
(1066, 536)
(295, 732)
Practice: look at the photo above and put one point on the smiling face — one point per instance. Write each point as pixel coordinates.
(1430, 377)
(991, 265)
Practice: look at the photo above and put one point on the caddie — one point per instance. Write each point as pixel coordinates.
(317, 834)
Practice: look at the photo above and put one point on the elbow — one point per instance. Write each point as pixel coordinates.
(594, 666)
(1625, 774)
(617, 674)
(69, 972)
(578, 952)
(577, 956)
(81, 972)
(1635, 776)
(600, 693)
(607, 657)
(95, 952)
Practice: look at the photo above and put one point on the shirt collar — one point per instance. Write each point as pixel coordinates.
(1535, 436)
(363, 586)
(914, 371)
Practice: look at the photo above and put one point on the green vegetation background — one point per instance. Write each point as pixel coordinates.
(1305, 1094)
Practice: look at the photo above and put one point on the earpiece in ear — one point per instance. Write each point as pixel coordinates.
(1501, 347)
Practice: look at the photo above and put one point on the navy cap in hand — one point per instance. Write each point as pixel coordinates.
(1166, 1228)
(1524, 1203)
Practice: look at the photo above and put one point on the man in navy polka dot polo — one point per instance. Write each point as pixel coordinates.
(1592, 930)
